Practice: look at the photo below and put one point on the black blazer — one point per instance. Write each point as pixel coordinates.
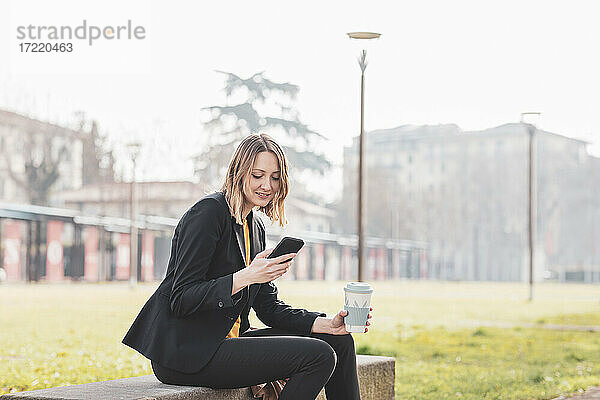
(190, 313)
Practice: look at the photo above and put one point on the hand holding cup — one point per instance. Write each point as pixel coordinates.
(338, 326)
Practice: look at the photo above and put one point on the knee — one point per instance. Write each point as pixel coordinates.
(330, 360)
(325, 355)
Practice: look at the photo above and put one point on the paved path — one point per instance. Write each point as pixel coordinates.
(554, 327)
(585, 328)
(590, 394)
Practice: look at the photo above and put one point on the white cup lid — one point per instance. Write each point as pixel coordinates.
(358, 287)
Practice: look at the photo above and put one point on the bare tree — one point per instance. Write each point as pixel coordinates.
(43, 149)
(98, 158)
(43, 158)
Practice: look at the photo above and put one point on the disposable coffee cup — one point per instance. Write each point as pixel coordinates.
(358, 304)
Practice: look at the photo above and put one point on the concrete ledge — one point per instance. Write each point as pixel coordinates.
(375, 374)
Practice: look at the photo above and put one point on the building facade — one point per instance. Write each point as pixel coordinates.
(465, 194)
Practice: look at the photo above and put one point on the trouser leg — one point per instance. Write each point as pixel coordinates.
(343, 384)
(246, 361)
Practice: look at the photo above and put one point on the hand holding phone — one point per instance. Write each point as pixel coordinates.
(268, 268)
(287, 245)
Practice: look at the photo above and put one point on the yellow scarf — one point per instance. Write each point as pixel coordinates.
(235, 330)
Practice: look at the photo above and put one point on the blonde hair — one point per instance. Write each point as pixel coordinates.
(239, 171)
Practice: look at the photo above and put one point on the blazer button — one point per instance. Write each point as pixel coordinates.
(220, 304)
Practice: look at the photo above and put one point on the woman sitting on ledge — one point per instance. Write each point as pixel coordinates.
(195, 326)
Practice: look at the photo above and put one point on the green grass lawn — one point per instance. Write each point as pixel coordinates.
(441, 334)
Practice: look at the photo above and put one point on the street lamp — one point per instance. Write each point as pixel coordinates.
(134, 151)
(362, 62)
(532, 198)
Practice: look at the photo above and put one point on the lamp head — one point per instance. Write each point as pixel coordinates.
(363, 35)
(530, 115)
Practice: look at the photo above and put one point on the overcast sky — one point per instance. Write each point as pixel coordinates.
(478, 64)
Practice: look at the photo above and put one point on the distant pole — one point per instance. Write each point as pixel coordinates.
(133, 233)
(133, 242)
(531, 211)
(361, 170)
(362, 62)
(531, 199)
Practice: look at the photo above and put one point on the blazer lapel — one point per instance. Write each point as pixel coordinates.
(239, 235)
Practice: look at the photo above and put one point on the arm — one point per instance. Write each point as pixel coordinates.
(196, 244)
(322, 325)
(241, 279)
(275, 313)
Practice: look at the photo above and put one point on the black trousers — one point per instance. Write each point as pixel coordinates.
(265, 355)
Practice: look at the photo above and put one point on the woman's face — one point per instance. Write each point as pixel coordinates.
(263, 182)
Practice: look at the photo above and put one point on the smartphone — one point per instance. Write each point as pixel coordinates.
(285, 246)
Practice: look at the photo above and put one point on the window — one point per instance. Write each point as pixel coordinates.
(67, 155)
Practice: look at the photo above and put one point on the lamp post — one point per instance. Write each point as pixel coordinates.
(532, 198)
(134, 150)
(362, 62)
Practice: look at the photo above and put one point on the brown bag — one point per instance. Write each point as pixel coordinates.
(269, 390)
